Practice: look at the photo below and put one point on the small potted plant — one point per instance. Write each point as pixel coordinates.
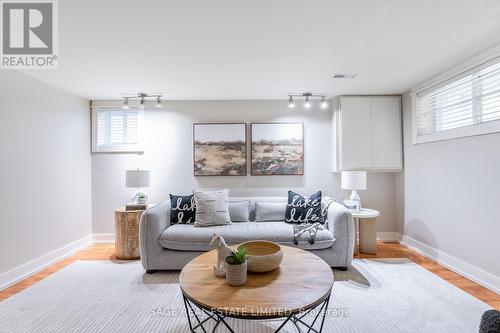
(236, 267)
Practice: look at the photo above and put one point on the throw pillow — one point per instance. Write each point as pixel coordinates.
(182, 209)
(211, 208)
(239, 211)
(300, 209)
(270, 211)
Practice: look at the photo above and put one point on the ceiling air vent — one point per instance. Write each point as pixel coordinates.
(344, 75)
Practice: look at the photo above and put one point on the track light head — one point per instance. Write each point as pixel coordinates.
(307, 103)
(143, 103)
(324, 102)
(125, 104)
(291, 103)
(158, 102)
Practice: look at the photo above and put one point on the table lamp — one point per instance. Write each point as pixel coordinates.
(354, 180)
(138, 179)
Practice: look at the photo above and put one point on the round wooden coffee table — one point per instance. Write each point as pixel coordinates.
(303, 282)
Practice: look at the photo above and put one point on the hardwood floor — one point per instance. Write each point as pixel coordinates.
(384, 250)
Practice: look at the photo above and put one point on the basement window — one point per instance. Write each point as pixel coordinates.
(116, 130)
(464, 105)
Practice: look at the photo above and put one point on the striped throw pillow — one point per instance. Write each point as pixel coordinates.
(211, 208)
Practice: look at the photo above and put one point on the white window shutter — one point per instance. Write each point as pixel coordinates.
(116, 130)
(460, 106)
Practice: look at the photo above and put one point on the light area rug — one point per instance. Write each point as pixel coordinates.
(384, 295)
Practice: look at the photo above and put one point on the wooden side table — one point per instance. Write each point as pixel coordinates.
(366, 219)
(127, 232)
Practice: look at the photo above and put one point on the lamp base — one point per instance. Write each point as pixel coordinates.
(354, 201)
(355, 196)
(140, 198)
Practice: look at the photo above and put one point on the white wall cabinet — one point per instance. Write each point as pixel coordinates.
(367, 133)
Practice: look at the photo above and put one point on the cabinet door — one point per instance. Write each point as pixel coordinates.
(354, 133)
(385, 115)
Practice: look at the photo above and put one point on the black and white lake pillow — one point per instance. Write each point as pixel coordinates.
(183, 209)
(300, 209)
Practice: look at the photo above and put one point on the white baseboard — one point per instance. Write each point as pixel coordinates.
(459, 266)
(31, 267)
(389, 236)
(103, 238)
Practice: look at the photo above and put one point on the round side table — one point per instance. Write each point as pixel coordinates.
(366, 224)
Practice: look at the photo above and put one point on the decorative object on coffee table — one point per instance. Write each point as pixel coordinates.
(262, 256)
(138, 179)
(127, 232)
(277, 149)
(301, 284)
(236, 267)
(219, 149)
(223, 251)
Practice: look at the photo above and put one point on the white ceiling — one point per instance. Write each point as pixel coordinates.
(261, 49)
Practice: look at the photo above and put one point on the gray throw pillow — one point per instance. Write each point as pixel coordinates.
(239, 211)
(211, 208)
(270, 211)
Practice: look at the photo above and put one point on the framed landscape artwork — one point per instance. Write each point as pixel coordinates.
(277, 149)
(219, 149)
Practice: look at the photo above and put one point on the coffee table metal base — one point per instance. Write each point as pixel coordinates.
(219, 318)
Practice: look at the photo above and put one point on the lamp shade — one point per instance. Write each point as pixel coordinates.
(137, 178)
(354, 180)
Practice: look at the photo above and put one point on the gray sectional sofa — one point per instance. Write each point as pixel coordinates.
(169, 247)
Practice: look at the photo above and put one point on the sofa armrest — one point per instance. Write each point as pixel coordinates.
(341, 225)
(153, 223)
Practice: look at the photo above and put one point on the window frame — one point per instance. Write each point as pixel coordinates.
(120, 148)
(456, 73)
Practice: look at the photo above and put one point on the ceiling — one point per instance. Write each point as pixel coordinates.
(261, 49)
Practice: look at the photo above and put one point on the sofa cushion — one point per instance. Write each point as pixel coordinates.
(186, 237)
(270, 211)
(239, 211)
(182, 209)
(211, 208)
(301, 209)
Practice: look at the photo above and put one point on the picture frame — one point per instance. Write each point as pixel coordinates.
(219, 149)
(277, 149)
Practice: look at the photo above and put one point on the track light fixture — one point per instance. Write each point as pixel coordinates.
(143, 98)
(308, 97)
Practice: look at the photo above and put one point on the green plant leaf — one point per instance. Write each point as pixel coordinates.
(237, 257)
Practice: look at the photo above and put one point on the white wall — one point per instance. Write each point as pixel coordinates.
(169, 151)
(45, 169)
(451, 196)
